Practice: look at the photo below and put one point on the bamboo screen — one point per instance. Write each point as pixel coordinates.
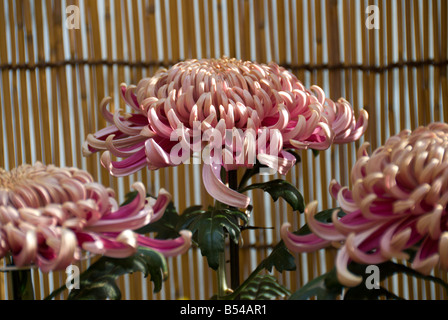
(53, 78)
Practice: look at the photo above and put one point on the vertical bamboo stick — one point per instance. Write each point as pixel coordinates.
(91, 164)
(32, 77)
(401, 77)
(149, 34)
(390, 89)
(292, 30)
(164, 32)
(272, 35)
(11, 161)
(231, 23)
(281, 34)
(189, 30)
(372, 83)
(382, 75)
(444, 81)
(244, 23)
(309, 195)
(418, 56)
(15, 92)
(365, 79)
(350, 91)
(260, 33)
(174, 31)
(335, 77)
(444, 56)
(3, 277)
(89, 110)
(410, 70)
(203, 35)
(300, 39)
(220, 28)
(151, 24)
(301, 168)
(136, 45)
(436, 46)
(95, 54)
(23, 86)
(62, 80)
(76, 105)
(211, 31)
(319, 161)
(133, 44)
(425, 83)
(390, 74)
(354, 50)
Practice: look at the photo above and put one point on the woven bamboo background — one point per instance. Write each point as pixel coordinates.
(52, 79)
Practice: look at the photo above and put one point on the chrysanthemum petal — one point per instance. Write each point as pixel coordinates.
(305, 243)
(345, 277)
(218, 190)
(64, 256)
(168, 247)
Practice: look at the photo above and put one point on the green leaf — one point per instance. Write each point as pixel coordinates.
(315, 152)
(191, 210)
(155, 266)
(237, 214)
(249, 173)
(362, 293)
(171, 223)
(98, 282)
(188, 217)
(209, 232)
(328, 287)
(280, 258)
(102, 289)
(386, 270)
(263, 287)
(129, 197)
(281, 188)
(165, 227)
(320, 288)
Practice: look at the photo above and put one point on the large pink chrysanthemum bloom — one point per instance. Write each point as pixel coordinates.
(398, 201)
(246, 110)
(48, 215)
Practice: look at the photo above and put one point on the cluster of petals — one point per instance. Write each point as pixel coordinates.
(50, 215)
(398, 201)
(198, 102)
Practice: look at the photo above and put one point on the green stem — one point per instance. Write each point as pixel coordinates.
(22, 285)
(56, 292)
(249, 173)
(234, 247)
(222, 278)
(246, 282)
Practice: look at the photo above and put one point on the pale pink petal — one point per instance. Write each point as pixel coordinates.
(168, 247)
(305, 243)
(218, 190)
(156, 157)
(345, 277)
(159, 206)
(64, 255)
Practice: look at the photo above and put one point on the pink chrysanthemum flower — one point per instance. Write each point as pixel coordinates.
(247, 110)
(398, 201)
(48, 215)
